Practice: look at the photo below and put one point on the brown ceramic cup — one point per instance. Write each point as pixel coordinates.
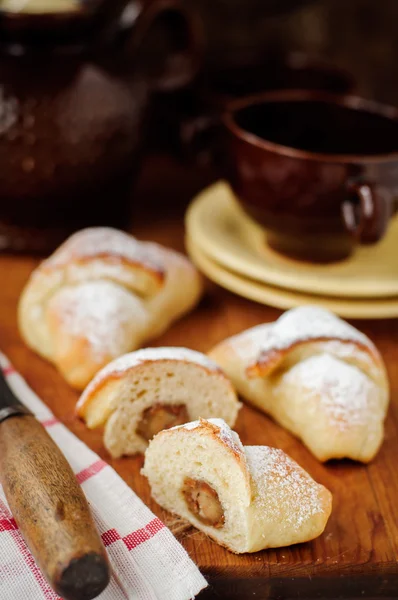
(216, 90)
(318, 171)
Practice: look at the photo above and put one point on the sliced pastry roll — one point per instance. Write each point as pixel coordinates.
(316, 375)
(246, 498)
(101, 294)
(141, 393)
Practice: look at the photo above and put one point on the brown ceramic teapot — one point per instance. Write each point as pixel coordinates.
(74, 92)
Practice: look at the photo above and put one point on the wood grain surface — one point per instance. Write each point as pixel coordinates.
(356, 557)
(51, 510)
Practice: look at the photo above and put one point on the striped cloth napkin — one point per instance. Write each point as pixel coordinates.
(147, 561)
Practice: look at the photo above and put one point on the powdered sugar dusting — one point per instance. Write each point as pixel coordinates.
(248, 344)
(285, 492)
(228, 436)
(225, 433)
(344, 391)
(347, 351)
(95, 241)
(133, 359)
(220, 423)
(189, 426)
(165, 255)
(162, 353)
(309, 323)
(100, 312)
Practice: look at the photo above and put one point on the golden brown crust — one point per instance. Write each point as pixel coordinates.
(109, 290)
(216, 434)
(114, 249)
(157, 273)
(269, 361)
(111, 376)
(278, 504)
(77, 372)
(292, 370)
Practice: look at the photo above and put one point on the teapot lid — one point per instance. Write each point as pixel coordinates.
(56, 21)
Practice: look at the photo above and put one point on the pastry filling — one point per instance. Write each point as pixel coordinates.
(203, 502)
(161, 416)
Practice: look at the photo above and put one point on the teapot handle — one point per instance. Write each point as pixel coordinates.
(159, 19)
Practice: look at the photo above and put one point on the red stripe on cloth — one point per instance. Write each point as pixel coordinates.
(8, 524)
(91, 470)
(134, 539)
(49, 422)
(110, 536)
(9, 370)
(48, 593)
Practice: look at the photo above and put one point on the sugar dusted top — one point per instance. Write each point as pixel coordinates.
(99, 311)
(284, 491)
(220, 428)
(96, 242)
(248, 343)
(162, 353)
(341, 390)
(298, 326)
(128, 361)
(309, 323)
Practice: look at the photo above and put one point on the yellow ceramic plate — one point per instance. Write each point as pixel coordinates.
(273, 296)
(217, 224)
(39, 6)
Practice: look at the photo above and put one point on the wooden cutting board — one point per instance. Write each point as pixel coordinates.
(356, 557)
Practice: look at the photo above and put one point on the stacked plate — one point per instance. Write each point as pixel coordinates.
(232, 251)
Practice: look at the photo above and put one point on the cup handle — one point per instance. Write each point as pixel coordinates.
(182, 63)
(367, 211)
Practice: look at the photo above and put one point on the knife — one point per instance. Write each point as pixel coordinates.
(48, 504)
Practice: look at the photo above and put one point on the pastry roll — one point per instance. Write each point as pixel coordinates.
(101, 294)
(317, 376)
(141, 393)
(246, 498)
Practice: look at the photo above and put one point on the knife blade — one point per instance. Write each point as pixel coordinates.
(48, 504)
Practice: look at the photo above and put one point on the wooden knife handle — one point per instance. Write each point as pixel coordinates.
(51, 510)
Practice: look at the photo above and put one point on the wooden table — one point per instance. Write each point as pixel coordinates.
(356, 557)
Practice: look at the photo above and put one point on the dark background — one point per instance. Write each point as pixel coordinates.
(359, 35)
